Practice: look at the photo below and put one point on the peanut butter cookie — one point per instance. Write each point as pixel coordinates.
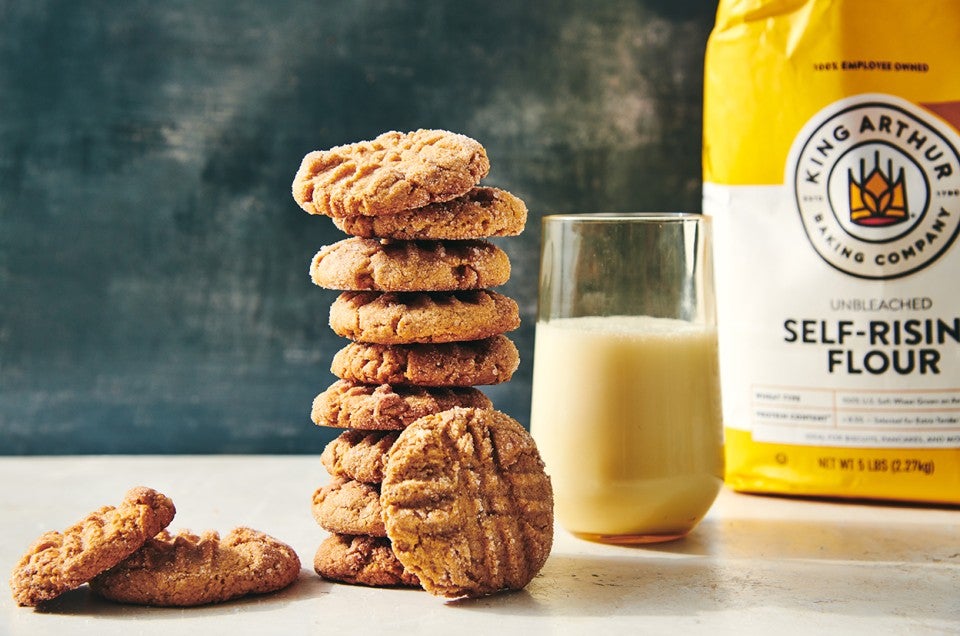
(345, 506)
(58, 562)
(489, 361)
(361, 560)
(377, 408)
(187, 570)
(394, 172)
(359, 455)
(411, 317)
(383, 265)
(480, 213)
(467, 504)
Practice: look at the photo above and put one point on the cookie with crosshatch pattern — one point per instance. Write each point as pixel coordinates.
(346, 506)
(467, 504)
(186, 569)
(361, 560)
(477, 362)
(480, 213)
(61, 561)
(359, 455)
(393, 172)
(371, 407)
(386, 265)
(411, 317)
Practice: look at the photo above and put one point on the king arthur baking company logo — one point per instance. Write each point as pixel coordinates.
(877, 198)
(877, 185)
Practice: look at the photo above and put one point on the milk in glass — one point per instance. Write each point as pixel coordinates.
(635, 447)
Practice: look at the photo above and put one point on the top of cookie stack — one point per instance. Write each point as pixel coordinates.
(425, 328)
(416, 276)
(419, 185)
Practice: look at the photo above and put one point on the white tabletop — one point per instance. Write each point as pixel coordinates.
(756, 565)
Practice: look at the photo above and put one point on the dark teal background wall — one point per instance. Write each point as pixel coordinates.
(154, 294)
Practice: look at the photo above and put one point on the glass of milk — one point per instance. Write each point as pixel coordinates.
(626, 388)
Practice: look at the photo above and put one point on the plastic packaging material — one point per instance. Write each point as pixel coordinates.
(831, 168)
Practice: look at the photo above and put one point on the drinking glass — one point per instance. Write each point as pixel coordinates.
(626, 390)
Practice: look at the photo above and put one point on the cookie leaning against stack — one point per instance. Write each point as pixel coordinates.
(425, 329)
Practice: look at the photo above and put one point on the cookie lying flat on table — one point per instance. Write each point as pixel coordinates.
(61, 561)
(480, 213)
(358, 455)
(345, 506)
(466, 503)
(377, 408)
(412, 317)
(380, 265)
(187, 569)
(394, 172)
(488, 361)
(361, 560)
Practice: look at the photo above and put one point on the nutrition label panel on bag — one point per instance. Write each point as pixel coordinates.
(841, 417)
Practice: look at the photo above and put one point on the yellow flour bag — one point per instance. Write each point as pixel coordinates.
(831, 169)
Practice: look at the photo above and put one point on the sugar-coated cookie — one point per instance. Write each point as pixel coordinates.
(359, 455)
(488, 361)
(384, 265)
(467, 504)
(394, 172)
(61, 561)
(480, 213)
(411, 317)
(186, 569)
(385, 407)
(361, 560)
(346, 506)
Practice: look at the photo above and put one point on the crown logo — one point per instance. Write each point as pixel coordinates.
(877, 199)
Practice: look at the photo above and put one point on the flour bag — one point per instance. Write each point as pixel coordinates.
(832, 173)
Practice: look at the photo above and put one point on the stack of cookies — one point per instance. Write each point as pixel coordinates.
(425, 329)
